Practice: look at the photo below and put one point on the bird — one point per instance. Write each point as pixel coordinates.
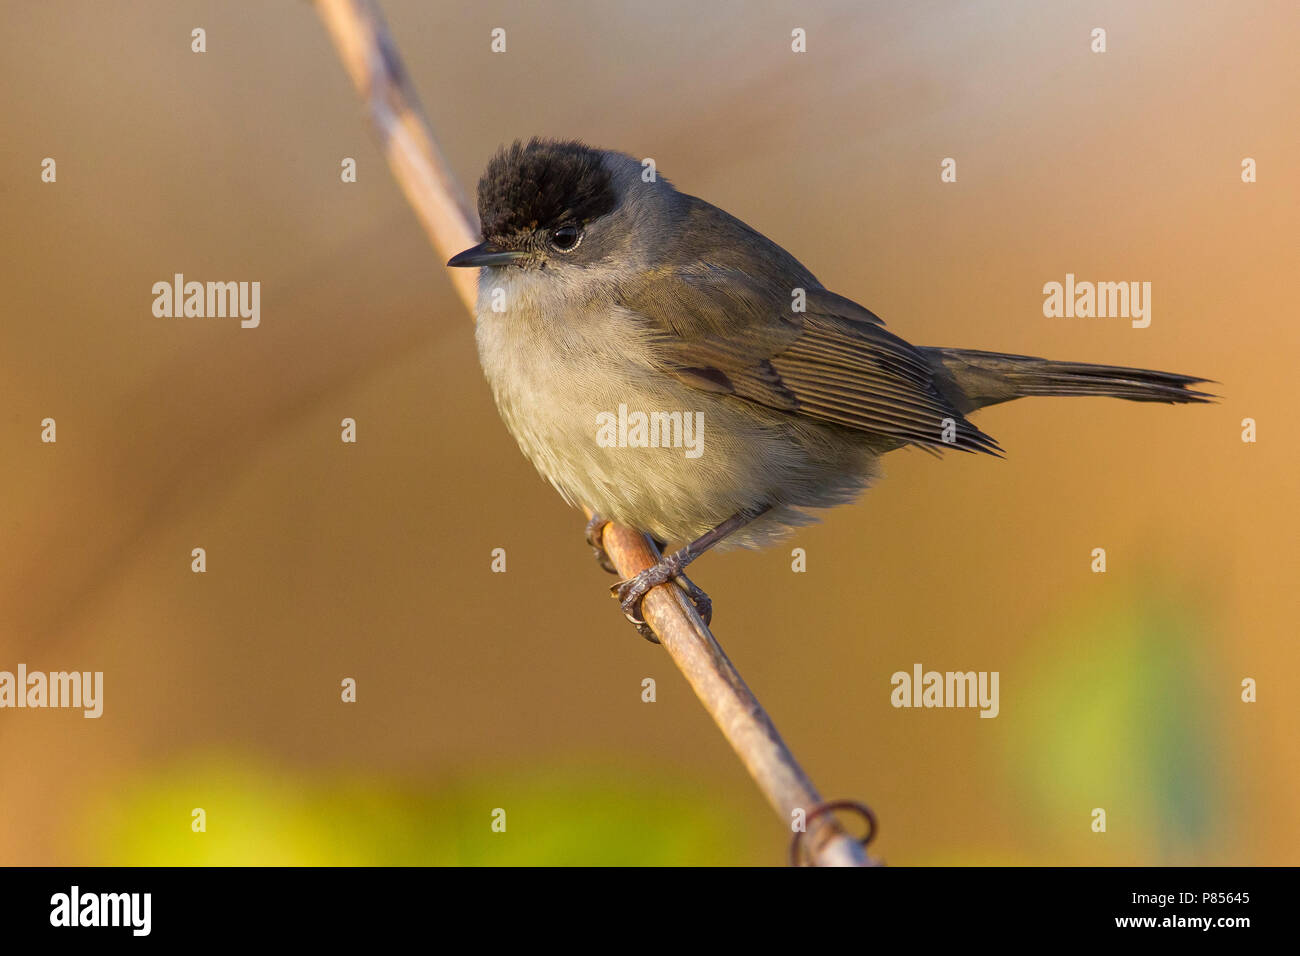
(667, 367)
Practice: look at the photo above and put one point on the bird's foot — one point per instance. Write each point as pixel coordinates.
(703, 603)
(595, 528)
(632, 592)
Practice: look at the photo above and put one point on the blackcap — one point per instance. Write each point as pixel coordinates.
(671, 369)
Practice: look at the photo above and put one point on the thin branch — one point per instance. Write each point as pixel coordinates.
(371, 59)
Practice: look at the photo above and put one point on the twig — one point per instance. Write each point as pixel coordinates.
(371, 59)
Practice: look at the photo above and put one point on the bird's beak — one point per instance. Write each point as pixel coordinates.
(485, 254)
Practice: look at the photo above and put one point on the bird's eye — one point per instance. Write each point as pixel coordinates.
(566, 238)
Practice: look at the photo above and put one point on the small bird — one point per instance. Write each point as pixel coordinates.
(673, 370)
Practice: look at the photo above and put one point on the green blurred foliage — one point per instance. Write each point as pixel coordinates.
(1121, 719)
(260, 816)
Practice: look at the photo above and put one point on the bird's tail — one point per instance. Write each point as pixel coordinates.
(973, 379)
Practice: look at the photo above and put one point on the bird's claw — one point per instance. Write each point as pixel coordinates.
(595, 529)
(703, 603)
(632, 592)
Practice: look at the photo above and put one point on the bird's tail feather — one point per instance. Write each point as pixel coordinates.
(977, 379)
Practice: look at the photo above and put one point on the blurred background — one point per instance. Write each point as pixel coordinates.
(522, 690)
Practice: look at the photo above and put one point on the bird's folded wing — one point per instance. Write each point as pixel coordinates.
(723, 331)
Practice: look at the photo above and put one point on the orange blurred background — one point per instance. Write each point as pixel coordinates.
(523, 690)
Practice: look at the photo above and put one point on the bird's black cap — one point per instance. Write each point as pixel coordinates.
(543, 184)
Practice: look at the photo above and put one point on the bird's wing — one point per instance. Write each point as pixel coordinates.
(723, 330)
